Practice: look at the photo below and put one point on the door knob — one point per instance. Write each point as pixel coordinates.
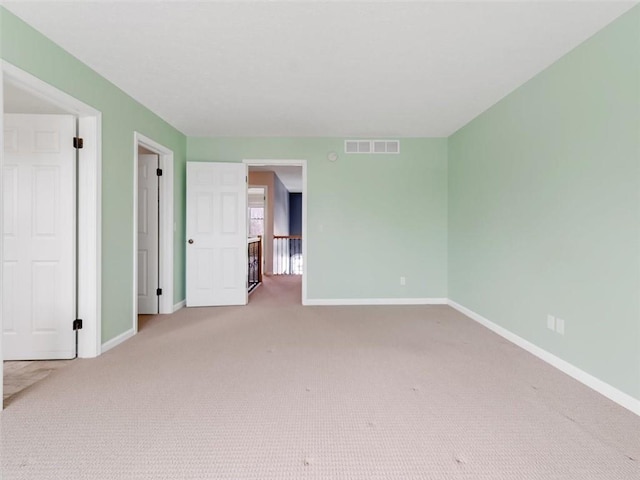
(191, 240)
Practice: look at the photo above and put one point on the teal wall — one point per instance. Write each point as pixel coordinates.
(371, 218)
(27, 49)
(544, 208)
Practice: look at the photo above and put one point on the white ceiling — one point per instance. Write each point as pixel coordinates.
(311, 68)
(289, 175)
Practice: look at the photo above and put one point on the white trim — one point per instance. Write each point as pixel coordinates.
(303, 164)
(166, 223)
(305, 236)
(1, 218)
(179, 305)
(612, 393)
(114, 342)
(90, 237)
(89, 203)
(267, 247)
(376, 301)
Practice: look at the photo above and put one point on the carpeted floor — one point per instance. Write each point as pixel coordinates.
(280, 391)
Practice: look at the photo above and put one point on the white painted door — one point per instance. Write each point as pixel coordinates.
(148, 274)
(216, 234)
(38, 187)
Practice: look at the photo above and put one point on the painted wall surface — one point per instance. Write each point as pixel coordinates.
(544, 208)
(280, 208)
(266, 179)
(371, 218)
(27, 49)
(295, 214)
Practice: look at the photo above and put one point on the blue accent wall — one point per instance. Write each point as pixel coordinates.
(295, 214)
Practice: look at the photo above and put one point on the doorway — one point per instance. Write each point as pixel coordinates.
(153, 230)
(217, 245)
(257, 219)
(148, 232)
(284, 254)
(88, 206)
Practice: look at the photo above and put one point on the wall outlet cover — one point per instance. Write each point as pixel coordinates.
(560, 326)
(551, 322)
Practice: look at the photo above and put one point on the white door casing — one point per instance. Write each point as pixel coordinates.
(148, 268)
(216, 234)
(166, 231)
(39, 237)
(1, 221)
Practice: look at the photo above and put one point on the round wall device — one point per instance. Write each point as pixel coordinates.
(332, 156)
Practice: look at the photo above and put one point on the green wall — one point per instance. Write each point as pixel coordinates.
(544, 208)
(371, 218)
(27, 49)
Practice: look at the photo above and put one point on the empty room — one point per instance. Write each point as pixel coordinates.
(320, 240)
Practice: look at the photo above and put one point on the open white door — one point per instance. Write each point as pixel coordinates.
(216, 234)
(148, 197)
(39, 237)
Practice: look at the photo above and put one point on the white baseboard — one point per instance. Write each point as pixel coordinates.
(375, 301)
(179, 305)
(114, 342)
(612, 393)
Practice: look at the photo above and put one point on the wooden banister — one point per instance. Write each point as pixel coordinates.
(293, 237)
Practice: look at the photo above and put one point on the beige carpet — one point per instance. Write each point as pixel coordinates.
(278, 391)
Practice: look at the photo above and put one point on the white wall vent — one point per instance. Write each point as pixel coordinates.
(350, 146)
(372, 146)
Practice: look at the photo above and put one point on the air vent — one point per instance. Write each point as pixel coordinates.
(372, 146)
(379, 146)
(351, 146)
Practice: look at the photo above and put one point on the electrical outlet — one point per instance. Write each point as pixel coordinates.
(560, 326)
(403, 281)
(551, 322)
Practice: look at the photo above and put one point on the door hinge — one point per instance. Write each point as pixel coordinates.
(78, 143)
(159, 172)
(158, 291)
(77, 324)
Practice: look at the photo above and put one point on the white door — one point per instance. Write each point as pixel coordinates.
(148, 274)
(38, 190)
(216, 234)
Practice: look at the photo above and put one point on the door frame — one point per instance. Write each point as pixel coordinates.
(303, 164)
(89, 219)
(264, 220)
(166, 227)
